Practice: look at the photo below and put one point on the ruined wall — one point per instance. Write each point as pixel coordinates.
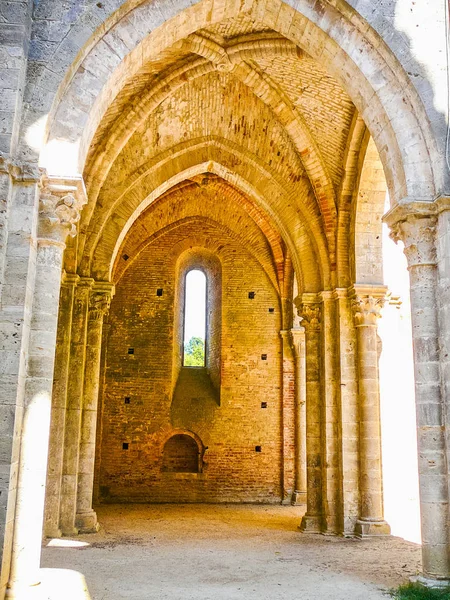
(231, 428)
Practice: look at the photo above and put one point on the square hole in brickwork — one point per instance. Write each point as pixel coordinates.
(125, 446)
(271, 310)
(130, 350)
(125, 257)
(258, 448)
(251, 295)
(127, 399)
(159, 292)
(263, 356)
(263, 404)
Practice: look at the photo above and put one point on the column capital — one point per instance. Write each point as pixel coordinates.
(297, 335)
(60, 204)
(100, 300)
(414, 223)
(367, 309)
(309, 310)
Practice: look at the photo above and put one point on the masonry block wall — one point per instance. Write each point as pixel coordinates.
(242, 441)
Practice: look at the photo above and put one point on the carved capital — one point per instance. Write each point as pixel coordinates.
(367, 310)
(418, 236)
(414, 223)
(311, 316)
(99, 303)
(60, 205)
(100, 300)
(309, 311)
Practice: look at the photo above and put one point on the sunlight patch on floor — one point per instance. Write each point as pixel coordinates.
(59, 583)
(65, 543)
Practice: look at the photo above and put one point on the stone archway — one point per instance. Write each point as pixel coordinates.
(298, 196)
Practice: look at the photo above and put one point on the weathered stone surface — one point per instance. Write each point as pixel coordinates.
(254, 140)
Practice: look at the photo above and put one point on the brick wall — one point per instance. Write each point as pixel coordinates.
(232, 429)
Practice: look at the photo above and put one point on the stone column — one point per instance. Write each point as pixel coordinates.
(415, 225)
(74, 407)
(309, 311)
(59, 211)
(100, 409)
(331, 431)
(59, 401)
(17, 289)
(349, 412)
(298, 343)
(100, 299)
(443, 292)
(288, 426)
(367, 306)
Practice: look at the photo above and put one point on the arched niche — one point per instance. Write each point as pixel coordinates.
(182, 453)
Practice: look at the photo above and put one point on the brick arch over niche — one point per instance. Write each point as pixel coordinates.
(182, 453)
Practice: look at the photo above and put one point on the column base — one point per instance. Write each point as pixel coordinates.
(298, 498)
(70, 531)
(438, 584)
(371, 528)
(311, 524)
(87, 522)
(53, 533)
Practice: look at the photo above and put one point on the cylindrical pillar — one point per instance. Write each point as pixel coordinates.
(367, 310)
(349, 416)
(418, 234)
(310, 313)
(58, 213)
(86, 517)
(443, 292)
(74, 405)
(59, 399)
(298, 343)
(331, 426)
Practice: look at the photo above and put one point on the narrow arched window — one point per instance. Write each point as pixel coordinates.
(194, 342)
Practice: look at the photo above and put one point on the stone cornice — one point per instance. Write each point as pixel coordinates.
(327, 295)
(104, 287)
(417, 209)
(24, 172)
(70, 279)
(376, 290)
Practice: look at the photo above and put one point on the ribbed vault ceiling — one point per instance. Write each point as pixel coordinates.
(274, 123)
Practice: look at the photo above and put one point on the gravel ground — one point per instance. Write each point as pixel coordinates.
(223, 552)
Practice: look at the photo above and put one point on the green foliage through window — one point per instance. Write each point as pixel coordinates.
(194, 352)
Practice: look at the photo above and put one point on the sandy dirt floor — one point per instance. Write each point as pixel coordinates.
(227, 552)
